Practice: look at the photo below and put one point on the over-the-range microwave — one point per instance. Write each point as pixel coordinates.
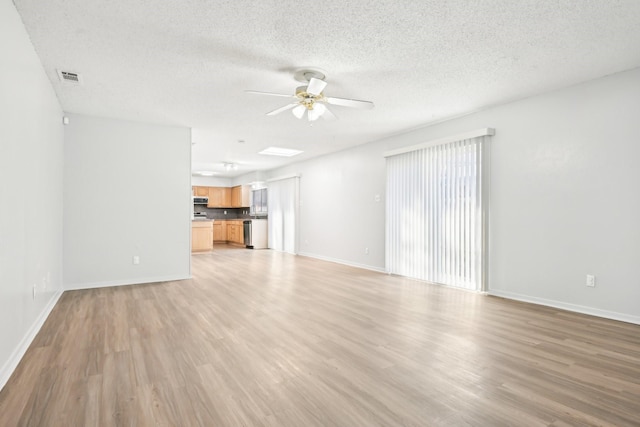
(200, 200)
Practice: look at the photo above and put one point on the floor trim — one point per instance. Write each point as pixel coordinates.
(343, 262)
(567, 306)
(138, 281)
(12, 363)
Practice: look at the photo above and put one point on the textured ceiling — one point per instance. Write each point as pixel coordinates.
(188, 62)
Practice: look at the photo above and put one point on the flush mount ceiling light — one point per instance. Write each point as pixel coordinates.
(230, 166)
(277, 151)
(311, 98)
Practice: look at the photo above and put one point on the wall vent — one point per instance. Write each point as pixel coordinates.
(69, 77)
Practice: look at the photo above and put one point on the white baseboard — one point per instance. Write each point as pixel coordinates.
(23, 346)
(567, 306)
(109, 283)
(343, 262)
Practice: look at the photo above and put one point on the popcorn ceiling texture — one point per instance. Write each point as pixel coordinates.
(187, 62)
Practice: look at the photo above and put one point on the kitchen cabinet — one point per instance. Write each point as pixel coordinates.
(201, 236)
(235, 232)
(231, 232)
(219, 197)
(240, 232)
(219, 231)
(225, 197)
(240, 196)
(200, 191)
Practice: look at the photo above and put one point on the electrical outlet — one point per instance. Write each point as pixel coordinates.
(225, 212)
(136, 260)
(366, 251)
(591, 281)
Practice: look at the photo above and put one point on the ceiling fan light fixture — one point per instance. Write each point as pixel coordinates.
(230, 166)
(313, 115)
(311, 97)
(299, 111)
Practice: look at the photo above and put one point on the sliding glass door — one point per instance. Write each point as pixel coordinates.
(436, 213)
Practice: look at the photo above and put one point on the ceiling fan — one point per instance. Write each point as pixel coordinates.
(310, 98)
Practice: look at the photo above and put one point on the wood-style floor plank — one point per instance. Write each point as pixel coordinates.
(260, 338)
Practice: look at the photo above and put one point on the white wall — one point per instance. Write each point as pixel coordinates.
(31, 161)
(127, 192)
(211, 181)
(565, 197)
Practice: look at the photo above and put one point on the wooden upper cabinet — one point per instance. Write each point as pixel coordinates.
(219, 197)
(236, 196)
(240, 196)
(200, 191)
(225, 197)
(246, 196)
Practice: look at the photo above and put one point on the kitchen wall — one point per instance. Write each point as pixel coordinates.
(127, 193)
(565, 197)
(211, 181)
(31, 163)
(223, 213)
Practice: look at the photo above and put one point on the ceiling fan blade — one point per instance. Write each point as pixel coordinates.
(255, 92)
(327, 114)
(319, 108)
(316, 86)
(299, 111)
(354, 103)
(281, 109)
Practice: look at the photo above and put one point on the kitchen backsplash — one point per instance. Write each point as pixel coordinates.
(218, 213)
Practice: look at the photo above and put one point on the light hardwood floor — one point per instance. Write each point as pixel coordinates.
(259, 338)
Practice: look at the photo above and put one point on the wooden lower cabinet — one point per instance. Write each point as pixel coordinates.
(220, 231)
(235, 232)
(201, 236)
(231, 232)
(228, 231)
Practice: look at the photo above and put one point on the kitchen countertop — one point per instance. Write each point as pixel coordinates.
(225, 219)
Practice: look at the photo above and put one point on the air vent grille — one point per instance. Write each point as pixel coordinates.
(69, 77)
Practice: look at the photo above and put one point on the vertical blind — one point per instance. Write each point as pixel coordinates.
(282, 204)
(436, 214)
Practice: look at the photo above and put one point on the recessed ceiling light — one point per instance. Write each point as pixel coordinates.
(277, 151)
